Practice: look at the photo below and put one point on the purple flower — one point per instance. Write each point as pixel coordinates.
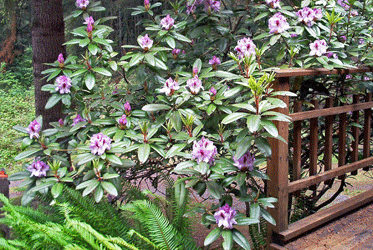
(366, 78)
(211, 5)
(34, 129)
(349, 76)
(82, 4)
(100, 143)
(123, 121)
(204, 150)
(60, 60)
(145, 42)
(89, 20)
(195, 71)
(169, 87)
(354, 13)
(183, 52)
(277, 24)
(245, 47)
(344, 4)
(306, 15)
(361, 41)
(318, 47)
(167, 22)
(89, 29)
(274, 3)
(225, 217)
(61, 122)
(318, 13)
(175, 53)
(146, 4)
(115, 90)
(78, 119)
(293, 35)
(246, 162)
(213, 91)
(127, 108)
(63, 84)
(215, 61)
(190, 8)
(343, 38)
(38, 169)
(194, 84)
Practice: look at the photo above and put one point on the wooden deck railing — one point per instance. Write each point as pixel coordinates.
(280, 185)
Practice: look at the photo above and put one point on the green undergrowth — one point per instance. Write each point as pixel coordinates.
(16, 107)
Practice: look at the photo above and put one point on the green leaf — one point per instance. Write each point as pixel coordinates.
(98, 194)
(155, 107)
(184, 165)
(253, 123)
(27, 154)
(170, 41)
(215, 190)
(160, 64)
(53, 100)
(211, 108)
(174, 150)
(87, 157)
(143, 152)
(180, 37)
(20, 129)
(225, 74)
(267, 216)
(92, 186)
(136, 59)
(90, 80)
(243, 146)
(228, 239)
(233, 117)
(180, 193)
(102, 71)
(113, 65)
(57, 190)
(202, 167)
(19, 176)
(93, 48)
(240, 239)
(109, 187)
(247, 221)
(108, 176)
(270, 127)
(263, 146)
(114, 159)
(212, 236)
(150, 59)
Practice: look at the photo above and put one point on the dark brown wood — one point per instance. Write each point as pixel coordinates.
(297, 148)
(330, 111)
(312, 180)
(319, 71)
(313, 143)
(278, 164)
(326, 215)
(367, 129)
(328, 154)
(342, 134)
(355, 134)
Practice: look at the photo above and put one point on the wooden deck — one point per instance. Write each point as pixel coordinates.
(350, 232)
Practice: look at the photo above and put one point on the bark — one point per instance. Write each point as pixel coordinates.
(48, 35)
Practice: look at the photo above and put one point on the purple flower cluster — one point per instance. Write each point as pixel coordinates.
(318, 47)
(61, 122)
(349, 76)
(309, 16)
(245, 47)
(344, 4)
(38, 169)
(175, 53)
(246, 162)
(61, 60)
(167, 22)
(90, 23)
(63, 84)
(214, 61)
(225, 217)
(169, 87)
(82, 4)
(191, 5)
(274, 3)
(34, 129)
(213, 91)
(145, 42)
(277, 24)
(204, 150)
(100, 143)
(331, 54)
(147, 4)
(123, 121)
(78, 119)
(195, 85)
(212, 6)
(127, 108)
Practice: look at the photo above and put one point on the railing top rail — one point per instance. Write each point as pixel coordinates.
(320, 71)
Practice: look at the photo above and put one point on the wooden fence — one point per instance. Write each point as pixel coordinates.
(280, 185)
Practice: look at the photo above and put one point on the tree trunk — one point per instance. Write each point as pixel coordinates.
(48, 35)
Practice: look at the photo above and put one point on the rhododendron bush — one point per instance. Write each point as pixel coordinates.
(195, 100)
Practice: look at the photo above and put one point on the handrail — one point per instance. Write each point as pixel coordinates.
(320, 71)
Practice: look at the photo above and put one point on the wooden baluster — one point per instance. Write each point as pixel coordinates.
(328, 152)
(342, 142)
(355, 134)
(367, 129)
(297, 147)
(278, 166)
(313, 143)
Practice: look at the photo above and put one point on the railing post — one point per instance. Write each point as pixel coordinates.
(278, 168)
(4, 189)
